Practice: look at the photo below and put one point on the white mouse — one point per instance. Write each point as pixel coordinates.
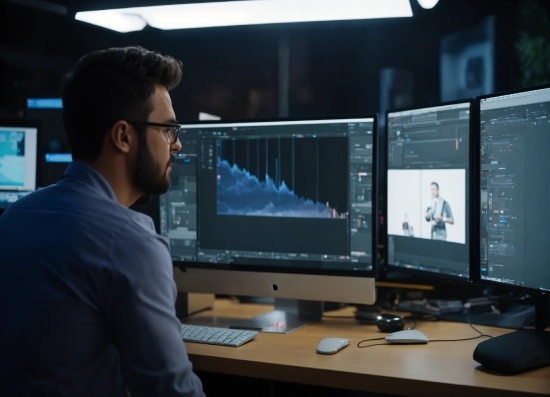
(407, 336)
(331, 345)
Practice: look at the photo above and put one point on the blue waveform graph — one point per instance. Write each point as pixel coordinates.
(240, 193)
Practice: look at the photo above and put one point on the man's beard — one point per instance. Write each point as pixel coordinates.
(148, 177)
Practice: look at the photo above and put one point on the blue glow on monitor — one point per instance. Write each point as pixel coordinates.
(58, 157)
(44, 103)
(18, 148)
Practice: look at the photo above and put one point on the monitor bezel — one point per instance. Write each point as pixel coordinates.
(7, 122)
(291, 270)
(384, 172)
(476, 259)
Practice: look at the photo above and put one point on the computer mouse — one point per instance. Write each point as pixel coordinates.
(407, 336)
(331, 345)
(390, 322)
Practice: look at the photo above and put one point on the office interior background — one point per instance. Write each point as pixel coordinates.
(455, 50)
(458, 49)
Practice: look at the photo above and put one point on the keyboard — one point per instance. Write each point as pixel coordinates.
(216, 336)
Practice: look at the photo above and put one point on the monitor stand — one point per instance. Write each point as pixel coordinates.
(289, 315)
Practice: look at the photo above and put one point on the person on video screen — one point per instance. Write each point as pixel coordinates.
(438, 214)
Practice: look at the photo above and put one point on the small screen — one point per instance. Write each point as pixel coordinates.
(44, 103)
(427, 193)
(18, 155)
(515, 189)
(280, 194)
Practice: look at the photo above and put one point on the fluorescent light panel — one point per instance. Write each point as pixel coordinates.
(250, 12)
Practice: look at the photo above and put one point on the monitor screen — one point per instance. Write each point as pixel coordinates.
(427, 189)
(18, 156)
(44, 103)
(54, 149)
(287, 195)
(515, 189)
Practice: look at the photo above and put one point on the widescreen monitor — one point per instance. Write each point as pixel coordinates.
(283, 208)
(515, 190)
(428, 175)
(513, 214)
(18, 160)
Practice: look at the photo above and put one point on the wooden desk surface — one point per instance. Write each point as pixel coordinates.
(434, 369)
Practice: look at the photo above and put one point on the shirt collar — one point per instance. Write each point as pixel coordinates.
(91, 177)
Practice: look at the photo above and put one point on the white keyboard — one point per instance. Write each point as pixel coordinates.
(216, 336)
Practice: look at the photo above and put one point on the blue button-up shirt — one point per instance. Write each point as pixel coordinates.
(87, 297)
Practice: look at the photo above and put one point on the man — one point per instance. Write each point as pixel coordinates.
(86, 289)
(439, 214)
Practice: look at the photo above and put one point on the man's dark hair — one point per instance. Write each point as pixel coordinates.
(110, 85)
(436, 185)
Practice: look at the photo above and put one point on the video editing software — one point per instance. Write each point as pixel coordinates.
(427, 193)
(284, 194)
(515, 189)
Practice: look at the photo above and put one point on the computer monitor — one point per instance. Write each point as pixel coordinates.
(54, 149)
(428, 195)
(282, 208)
(513, 203)
(18, 160)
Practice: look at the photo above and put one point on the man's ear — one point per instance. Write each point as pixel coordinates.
(122, 136)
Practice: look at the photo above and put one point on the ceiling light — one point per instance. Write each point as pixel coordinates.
(122, 22)
(427, 4)
(246, 12)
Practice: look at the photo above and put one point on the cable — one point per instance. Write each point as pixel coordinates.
(481, 334)
(368, 340)
(378, 344)
(375, 344)
(338, 316)
(413, 320)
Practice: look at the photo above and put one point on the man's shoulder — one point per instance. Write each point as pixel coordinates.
(140, 253)
(68, 202)
(140, 229)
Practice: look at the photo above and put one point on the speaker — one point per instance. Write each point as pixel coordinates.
(518, 351)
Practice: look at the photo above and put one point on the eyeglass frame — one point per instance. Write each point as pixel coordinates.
(176, 127)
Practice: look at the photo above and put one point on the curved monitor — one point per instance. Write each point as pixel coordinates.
(282, 208)
(428, 194)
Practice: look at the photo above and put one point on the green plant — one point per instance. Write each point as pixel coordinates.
(533, 43)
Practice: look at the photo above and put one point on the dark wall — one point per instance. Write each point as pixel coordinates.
(36, 49)
(232, 72)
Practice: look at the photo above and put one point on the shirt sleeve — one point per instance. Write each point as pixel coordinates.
(142, 319)
(448, 212)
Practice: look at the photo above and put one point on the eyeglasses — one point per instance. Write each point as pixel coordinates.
(172, 130)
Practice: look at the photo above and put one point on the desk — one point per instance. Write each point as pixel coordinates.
(434, 369)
